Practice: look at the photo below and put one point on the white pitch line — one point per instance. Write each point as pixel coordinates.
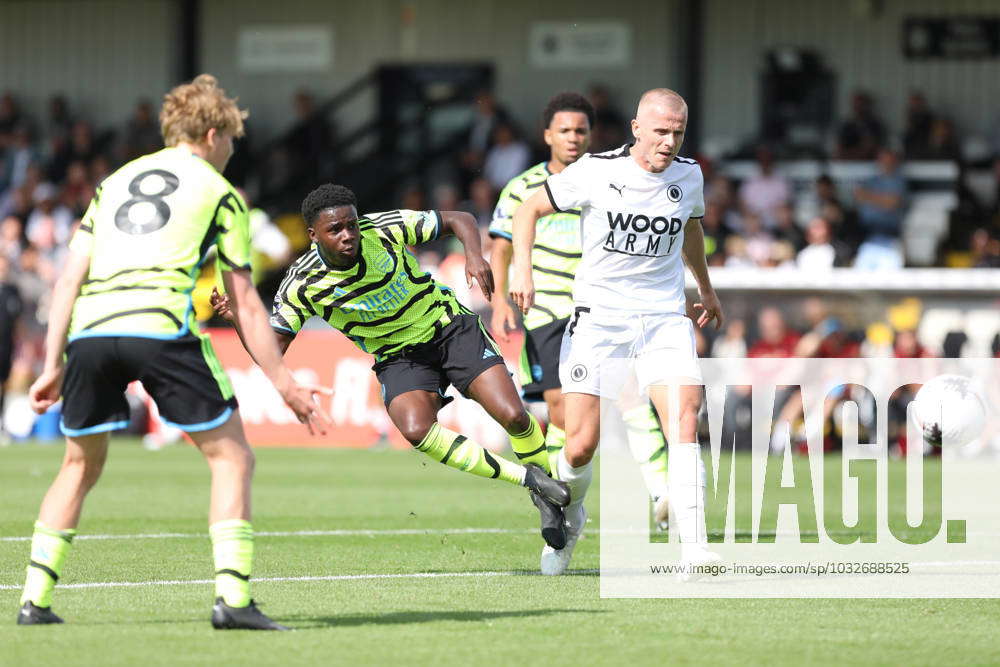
(367, 532)
(333, 577)
(411, 575)
(303, 533)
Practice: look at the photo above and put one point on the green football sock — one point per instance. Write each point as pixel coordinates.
(232, 546)
(529, 447)
(49, 548)
(555, 440)
(648, 447)
(457, 451)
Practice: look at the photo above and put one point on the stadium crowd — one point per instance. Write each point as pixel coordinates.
(51, 164)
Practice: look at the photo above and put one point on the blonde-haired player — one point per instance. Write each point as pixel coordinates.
(121, 311)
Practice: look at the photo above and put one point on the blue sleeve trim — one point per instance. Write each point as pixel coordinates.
(496, 233)
(91, 430)
(203, 426)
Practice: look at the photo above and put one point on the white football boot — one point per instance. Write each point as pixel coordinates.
(556, 561)
(696, 555)
(661, 512)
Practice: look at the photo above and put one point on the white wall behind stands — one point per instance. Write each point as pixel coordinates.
(377, 32)
(861, 41)
(103, 55)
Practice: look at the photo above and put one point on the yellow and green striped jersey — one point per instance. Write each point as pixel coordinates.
(556, 252)
(147, 232)
(385, 302)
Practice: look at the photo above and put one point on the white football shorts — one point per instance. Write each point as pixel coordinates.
(600, 353)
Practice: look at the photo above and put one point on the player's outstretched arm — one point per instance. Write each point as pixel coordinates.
(503, 319)
(462, 226)
(220, 304)
(44, 391)
(693, 253)
(251, 320)
(522, 287)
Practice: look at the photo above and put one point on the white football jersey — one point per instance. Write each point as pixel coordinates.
(632, 225)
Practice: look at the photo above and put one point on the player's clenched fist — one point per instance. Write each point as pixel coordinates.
(522, 290)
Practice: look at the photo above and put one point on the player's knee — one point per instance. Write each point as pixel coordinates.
(415, 428)
(579, 449)
(579, 456)
(514, 419)
(248, 461)
(87, 468)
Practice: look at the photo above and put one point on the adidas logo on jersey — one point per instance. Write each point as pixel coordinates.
(487, 353)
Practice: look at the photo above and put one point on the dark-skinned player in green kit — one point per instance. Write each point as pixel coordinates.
(360, 277)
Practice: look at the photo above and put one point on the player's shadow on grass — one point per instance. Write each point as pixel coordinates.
(408, 617)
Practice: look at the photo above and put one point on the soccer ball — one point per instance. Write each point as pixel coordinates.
(948, 409)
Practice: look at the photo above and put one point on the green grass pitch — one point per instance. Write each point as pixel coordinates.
(485, 609)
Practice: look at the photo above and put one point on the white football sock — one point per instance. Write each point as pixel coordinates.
(578, 480)
(686, 475)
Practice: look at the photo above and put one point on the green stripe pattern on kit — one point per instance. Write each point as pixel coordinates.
(147, 232)
(385, 302)
(556, 252)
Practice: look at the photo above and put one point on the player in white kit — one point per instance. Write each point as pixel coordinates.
(641, 209)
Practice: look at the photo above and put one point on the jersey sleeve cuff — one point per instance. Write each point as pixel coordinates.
(283, 330)
(231, 264)
(498, 234)
(552, 200)
(437, 227)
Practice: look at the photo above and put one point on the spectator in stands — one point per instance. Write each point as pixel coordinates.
(758, 240)
(917, 130)
(984, 250)
(445, 197)
(785, 228)
(822, 193)
(488, 114)
(10, 313)
(610, 125)
(412, 197)
(10, 117)
(735, 249)
(34, 281)
(776, 338)
(50, 224)
(81, 146)
(142, 132)
(732, 343)
(507, 158)
(60, 121)
(11, 237)
(860, 135)
(720, 190)
(20, 155)
(481, 201)
(77, 191)
(822, 251)
(940, 144)
(714, 230)
(881, 205)
(766, 191)
(782, 255)
(907, 346)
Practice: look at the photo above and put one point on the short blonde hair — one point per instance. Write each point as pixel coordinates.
(191, 109)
